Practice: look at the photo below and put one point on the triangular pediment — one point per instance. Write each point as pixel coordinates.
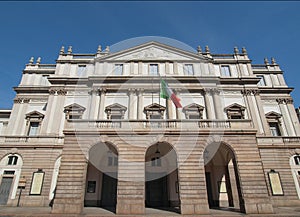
(235, 106)
(155, 107)
(34, 114)
(273, 115)
(193, 107)
(153, 51)
(115, 107)
(74, 108)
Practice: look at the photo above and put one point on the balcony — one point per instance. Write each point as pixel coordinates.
(146, 125)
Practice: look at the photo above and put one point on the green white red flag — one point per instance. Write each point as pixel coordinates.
(167, 93)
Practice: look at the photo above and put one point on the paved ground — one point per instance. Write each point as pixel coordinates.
(98, 212)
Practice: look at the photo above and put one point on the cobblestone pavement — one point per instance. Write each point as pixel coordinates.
(99, 212)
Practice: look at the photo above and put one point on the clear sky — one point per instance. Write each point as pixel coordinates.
(266, 29)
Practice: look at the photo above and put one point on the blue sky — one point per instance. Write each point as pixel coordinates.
(266, 29)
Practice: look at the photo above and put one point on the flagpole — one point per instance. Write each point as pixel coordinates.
(152, 90)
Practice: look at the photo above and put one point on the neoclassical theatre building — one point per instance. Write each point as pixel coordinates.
(92, 130)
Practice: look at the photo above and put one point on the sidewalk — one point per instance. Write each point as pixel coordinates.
(99, 212)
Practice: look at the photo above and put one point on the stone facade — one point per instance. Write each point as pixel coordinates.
(92, 130)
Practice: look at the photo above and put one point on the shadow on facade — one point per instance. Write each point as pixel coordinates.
(101, 178)
(161, 173)
(222, 180)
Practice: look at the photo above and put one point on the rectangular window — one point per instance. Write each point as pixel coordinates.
(153, 69)
(261, 81)
(274, 129)
(33, 128)
(81, 70)
(12, 160)
(225, 71)
(188, 69)
(118, 70)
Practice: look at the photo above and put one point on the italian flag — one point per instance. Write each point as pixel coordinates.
(167, 93)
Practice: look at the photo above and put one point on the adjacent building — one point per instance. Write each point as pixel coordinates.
(94, 130)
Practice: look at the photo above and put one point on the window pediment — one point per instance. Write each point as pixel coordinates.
(273, 115)
(193, 111)
(115, 111)
(235, 111)
(34, 115)
(154, 111)
(74, 108)
(74, 111)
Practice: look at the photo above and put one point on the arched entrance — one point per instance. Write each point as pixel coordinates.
(222, 181)
(10, 172)
(161, 178)
(102, 177)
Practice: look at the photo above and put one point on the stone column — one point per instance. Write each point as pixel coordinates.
(293, 116)
(178, 110)
(261, 112)
(57, 126)
(251, 104)
(140, 104)
(169, 108)
(94, 104)
(20, 107)
(208, 104)
(285, 117)
(132, 104)
(101, 112)
(217, 104)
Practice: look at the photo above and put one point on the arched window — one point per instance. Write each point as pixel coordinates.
(10, 172)
(295, 167)
(297, 159)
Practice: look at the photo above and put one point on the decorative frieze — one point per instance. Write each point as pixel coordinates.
(248, 92)
(21, 100)
(284, 101)
(60, 91)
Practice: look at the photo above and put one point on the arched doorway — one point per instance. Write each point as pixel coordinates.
(102, 177)
(161, 178)
(295, 166)
(10, 172)
(222, 181)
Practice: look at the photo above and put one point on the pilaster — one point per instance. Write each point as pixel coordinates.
(102, 103)
(140, 104)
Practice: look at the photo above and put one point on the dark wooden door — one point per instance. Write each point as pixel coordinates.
(156, 193)
(109, 191)
(5, 189)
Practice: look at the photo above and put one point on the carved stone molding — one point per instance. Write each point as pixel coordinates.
(211, 91)
(249, 92)
(284, 100)
(94, 91)
(60, 91)
(131, 91)
(21, 100)
(52, 92)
